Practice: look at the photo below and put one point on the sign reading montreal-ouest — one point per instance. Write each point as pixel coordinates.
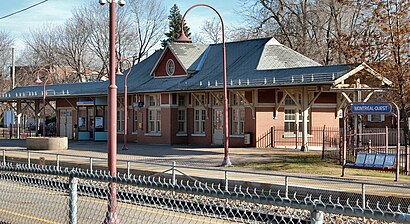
(375, 108)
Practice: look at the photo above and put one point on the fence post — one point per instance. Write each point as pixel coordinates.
(91, 164)
(286, 187)
(297, 136)
(363, 196)
(58, 161)
(128, 169)
(387, 140)
(274, 137)
(73, 182)
(323, 141)
(317, 217)
(173, 173)
(271, 137)
(226, 181)
(4, 157)
(28, 159)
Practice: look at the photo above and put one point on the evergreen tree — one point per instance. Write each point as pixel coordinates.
(175, 20)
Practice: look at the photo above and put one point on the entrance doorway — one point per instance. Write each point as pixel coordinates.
(66, 124)
(218, 131)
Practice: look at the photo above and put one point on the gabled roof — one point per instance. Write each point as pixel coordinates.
(188, 54)
(251, 63)
(185, 53)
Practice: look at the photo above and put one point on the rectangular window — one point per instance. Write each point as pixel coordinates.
(120, 119)
(238, 120)
(181, 121)
(290, 121)
(199, 123)
(135, 121)
(182, 126)
(375, 117)
(154, 113)
(154, 100)
(181, 100)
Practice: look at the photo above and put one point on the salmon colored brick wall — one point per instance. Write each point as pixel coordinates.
(324, 116)
(265, 120)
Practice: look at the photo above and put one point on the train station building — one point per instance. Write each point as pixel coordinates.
(175, 96)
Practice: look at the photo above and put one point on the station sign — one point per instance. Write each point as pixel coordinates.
(371, 108)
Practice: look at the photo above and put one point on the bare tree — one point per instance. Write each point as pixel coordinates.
(43, 44)
(149, 23)
(73, 48)
(6, 43)
(212, 30)
(316, 29)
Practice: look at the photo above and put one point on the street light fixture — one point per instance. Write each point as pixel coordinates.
(112, 216)
(39, 81)
(185, 39)
(125, 147)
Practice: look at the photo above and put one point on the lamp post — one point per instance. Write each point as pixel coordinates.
(39, 81)
(111, 216)
(184, 38)
(125, 147)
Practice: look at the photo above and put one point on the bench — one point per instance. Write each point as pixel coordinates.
(372, 161)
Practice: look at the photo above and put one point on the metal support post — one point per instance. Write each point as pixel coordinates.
(58, 162)
(363, 196)
(91, 164)
(271, 137)
(226, 181)
(173, 173)
(73, 182)
(18, 119)
(128, 169)
(286, 187)
(323, 141)
(28, 159)
(4, 157)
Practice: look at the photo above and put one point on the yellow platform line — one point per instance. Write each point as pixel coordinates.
(28, 216)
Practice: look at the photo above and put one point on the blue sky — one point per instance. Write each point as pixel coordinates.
(57, 11)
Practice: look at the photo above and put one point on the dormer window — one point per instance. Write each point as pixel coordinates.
(170, 67)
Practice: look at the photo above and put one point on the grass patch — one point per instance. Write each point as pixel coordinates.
(313, 164)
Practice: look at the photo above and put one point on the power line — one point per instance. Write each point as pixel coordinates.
(22, 10)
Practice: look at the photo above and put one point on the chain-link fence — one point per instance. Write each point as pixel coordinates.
(48, 195)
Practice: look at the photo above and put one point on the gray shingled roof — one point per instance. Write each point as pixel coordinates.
(245, 60)
(275, 56)
(188, 54)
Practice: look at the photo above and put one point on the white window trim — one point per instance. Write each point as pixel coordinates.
(155, 108)
(201, 121)
(198, 135)
(238, 109)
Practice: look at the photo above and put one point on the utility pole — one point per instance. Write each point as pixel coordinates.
(13, 69)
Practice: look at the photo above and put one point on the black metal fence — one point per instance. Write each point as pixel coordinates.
(318, 138)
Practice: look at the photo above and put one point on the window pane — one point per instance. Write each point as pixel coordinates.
(289, 126)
